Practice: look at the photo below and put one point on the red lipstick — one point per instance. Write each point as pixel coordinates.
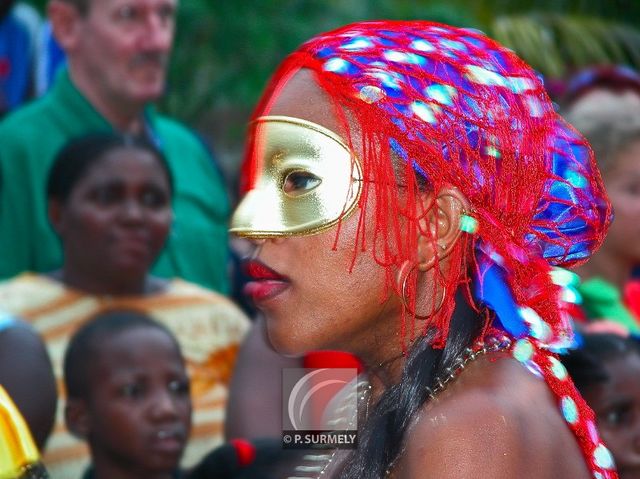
(265, 284)
(260, 271)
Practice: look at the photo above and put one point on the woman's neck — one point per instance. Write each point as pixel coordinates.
(384, 372)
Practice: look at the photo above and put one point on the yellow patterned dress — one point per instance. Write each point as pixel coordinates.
(208, 326)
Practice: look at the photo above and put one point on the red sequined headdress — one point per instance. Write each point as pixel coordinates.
(462, 110)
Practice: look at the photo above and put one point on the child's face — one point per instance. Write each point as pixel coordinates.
(617, 407)
(623, 187)
(139, 406)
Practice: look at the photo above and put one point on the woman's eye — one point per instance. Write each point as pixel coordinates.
(155, 198)
(299, 182)
(105, 196)
(133, 391)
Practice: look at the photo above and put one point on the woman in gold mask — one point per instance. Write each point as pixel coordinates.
(409, 192)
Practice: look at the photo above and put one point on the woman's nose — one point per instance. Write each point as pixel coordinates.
(131, 210)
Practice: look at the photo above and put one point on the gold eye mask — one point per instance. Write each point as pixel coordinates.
(308, 180)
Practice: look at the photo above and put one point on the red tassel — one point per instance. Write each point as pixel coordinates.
(245, 451)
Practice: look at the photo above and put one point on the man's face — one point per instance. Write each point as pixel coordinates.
(124, 49)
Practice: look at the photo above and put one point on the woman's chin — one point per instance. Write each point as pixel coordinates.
(283, 341)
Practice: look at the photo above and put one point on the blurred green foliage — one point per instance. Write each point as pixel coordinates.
(226, 50)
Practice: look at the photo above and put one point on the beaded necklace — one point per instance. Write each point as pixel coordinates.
(319, 464)
(491, 344)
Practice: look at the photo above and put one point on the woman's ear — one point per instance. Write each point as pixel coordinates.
(76, 416)
(440, 229)
(55, 213)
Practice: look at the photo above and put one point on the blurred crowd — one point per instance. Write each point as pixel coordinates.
(125, 341)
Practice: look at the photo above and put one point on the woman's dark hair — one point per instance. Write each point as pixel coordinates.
(74, 160)
(81, 352)
(586, 364)
(382, 437)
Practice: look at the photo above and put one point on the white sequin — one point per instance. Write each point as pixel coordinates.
(441, 93)
(337, 65)
(483, 76)
(539, 329)
(523, 350)
(388, 80)
(519, 84)
(558, 369)
(569, 410)
(603, 457)
(395, 56)
(570, 295)
(424, 111)
(422, 46)
(357, 44)
(535, 107)
(564, 277)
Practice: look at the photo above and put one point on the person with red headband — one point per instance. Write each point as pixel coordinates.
(584, 89)
(411, 194)
(603, 103)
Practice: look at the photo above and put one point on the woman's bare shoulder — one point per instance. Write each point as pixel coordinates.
(471, 434)
(497, 420)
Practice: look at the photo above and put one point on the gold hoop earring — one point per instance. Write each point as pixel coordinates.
(406, 303)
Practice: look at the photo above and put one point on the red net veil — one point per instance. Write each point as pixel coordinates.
(450, 107)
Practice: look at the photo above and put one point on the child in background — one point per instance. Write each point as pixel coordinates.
(603, 103)
(128, 396)
(606, 370)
